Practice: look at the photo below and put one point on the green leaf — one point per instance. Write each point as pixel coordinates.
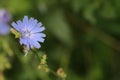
(108, 11)
(77, 5)
(58, 26)
(89, 13)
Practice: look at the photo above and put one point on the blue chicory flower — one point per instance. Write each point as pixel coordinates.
(5, 17)
(4, 29)
(31, 32)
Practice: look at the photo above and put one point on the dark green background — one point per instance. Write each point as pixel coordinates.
(82, 37)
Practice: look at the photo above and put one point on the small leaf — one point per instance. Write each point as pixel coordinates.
(58, 26)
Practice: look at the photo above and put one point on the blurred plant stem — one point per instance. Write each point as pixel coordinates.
(1, 75)
(6, 46)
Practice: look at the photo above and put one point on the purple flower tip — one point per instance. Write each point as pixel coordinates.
(5, 17)
(31, 31)
(4, 29)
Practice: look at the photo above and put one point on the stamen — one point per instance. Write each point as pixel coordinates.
(27, 33)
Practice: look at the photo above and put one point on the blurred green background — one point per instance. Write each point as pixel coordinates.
(82, 38)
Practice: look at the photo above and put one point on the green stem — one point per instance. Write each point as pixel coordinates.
(38, 57)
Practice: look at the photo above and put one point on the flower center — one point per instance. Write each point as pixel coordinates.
(27, 33)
